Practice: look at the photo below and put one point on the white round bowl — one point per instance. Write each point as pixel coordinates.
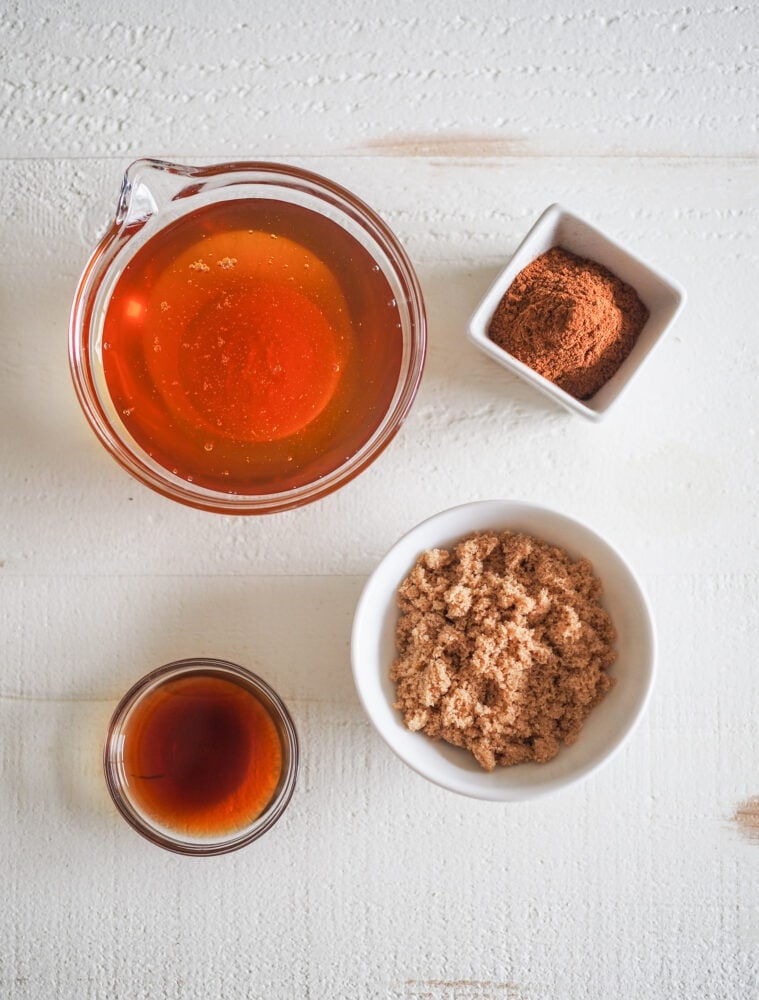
(608, 725)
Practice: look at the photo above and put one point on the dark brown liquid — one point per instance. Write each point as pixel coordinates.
(252, 346)
(202, 755)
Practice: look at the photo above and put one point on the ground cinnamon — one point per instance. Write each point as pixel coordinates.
(570, 319)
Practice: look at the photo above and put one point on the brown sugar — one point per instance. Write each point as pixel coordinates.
(503, 647)
(570, 319)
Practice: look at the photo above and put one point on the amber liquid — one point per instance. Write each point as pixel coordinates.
(251, 346)
(202, 756)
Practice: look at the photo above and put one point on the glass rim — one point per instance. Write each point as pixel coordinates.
(322, 189)
(225, 843)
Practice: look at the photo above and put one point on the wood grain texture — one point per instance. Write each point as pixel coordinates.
(662, 79)
(458, 127)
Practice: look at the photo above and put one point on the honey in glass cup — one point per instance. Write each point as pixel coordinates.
(251, 343)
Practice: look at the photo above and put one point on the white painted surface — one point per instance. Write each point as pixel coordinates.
(459, 127)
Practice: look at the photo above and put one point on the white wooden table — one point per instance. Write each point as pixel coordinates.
(459, 125)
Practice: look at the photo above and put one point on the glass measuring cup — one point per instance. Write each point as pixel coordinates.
(279, 429)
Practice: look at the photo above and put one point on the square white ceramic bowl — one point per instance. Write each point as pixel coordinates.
(663, 296)
(373, 650)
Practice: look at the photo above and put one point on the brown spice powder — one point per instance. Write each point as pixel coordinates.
(503, 647)
(570, 319)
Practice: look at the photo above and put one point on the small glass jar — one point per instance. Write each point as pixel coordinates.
(201, 757)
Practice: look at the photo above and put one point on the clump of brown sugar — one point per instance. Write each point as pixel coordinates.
(570, 319)
(503, 647)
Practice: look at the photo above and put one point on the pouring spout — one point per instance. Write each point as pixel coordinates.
(147, 187)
